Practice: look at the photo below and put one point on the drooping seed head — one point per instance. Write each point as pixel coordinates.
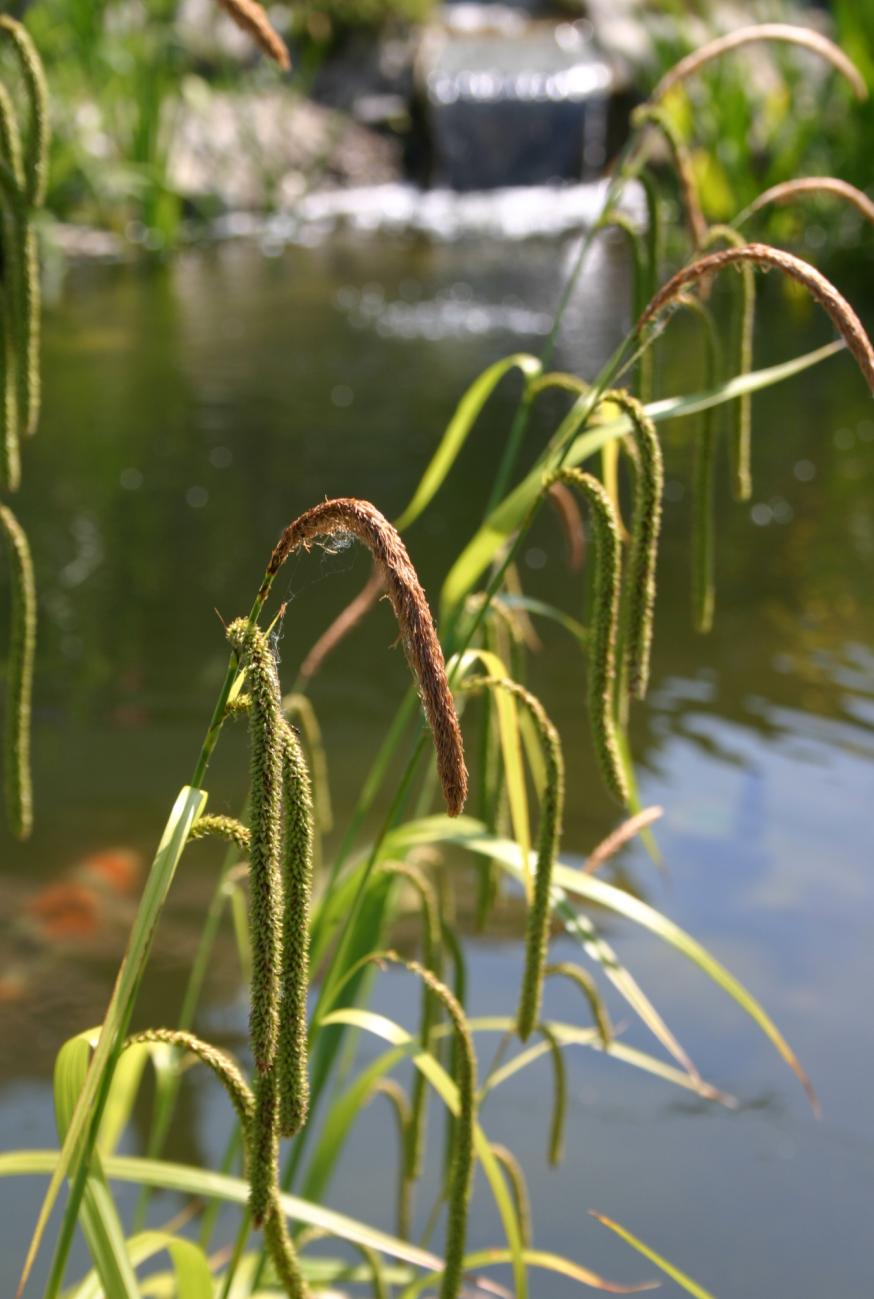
(648, 115)
(19, 676)
(840, 312)
(367, 525)
(802, 187)
(786, 33)
(250, 16)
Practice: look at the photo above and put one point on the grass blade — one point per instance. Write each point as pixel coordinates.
(74, 1151)
(504, 521)
(190, 1268)
(457, 430)
(674, 1273)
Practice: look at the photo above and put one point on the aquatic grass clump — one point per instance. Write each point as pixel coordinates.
(606, 587)
(420, 641)
(19, 677)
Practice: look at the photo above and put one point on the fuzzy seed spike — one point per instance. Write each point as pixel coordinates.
(364, 521)
(603, 628)
(559, 1096)
(10, 449)
(265, 916)
(519, 1189)
(19, 677)
(264, 1147)
(298, 707)
(10, 136)
(225, 1068)
(221, 827)
(587, 986)
(645, 528)
(768, 32)
(294, 1086)
(539, 912)
(35, 156)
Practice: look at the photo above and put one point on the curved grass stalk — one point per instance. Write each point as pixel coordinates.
(608, 847)
(821, 289)
(10, 451)
(364, 521)
(804, 186)
(768, 32)
(603, 626)
(743, 324)
(636, 246)
(559, 1096)
(587, 986)
(397, 1099)
(19, 677)
(640, 583)
(516, 1177)
(297, 881)
(225, 1068)
(651, 115)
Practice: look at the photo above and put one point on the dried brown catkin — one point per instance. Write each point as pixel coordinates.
(419, 637)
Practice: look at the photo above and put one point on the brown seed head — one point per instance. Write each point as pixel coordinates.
(821, 289)
(421, 644)
(250, 16)
(803, 185)
(785, 32)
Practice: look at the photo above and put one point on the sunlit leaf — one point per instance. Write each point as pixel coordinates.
(673, 1272)
(191, 1274)
(459, 427)
(504, 521)
(188, 806)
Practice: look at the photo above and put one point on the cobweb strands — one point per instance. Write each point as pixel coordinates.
(421, 644)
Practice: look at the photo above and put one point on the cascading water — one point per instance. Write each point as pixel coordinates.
(512, 100)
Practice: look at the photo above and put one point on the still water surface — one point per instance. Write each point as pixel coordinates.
(190, 413)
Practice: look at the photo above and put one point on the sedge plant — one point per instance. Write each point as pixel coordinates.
(320, 935)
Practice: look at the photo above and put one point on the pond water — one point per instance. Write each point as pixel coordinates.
(190, 412)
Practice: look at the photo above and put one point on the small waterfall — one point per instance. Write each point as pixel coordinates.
(513, 100)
